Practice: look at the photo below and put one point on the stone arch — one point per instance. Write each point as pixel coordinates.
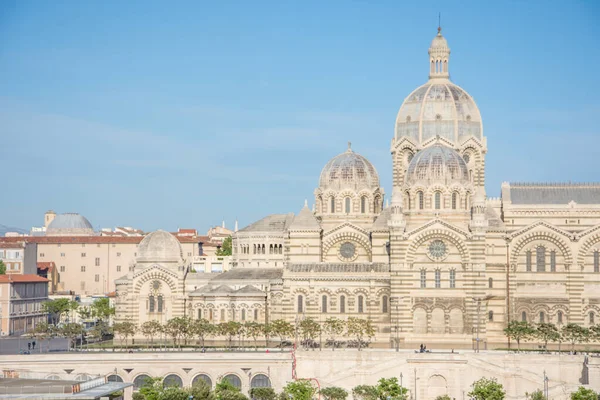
(158, 274)
(205, 377)
(438, 233)
(556, 239)
(436, 386)
(234, 379)
(140, 380)
(438, 321)
(419, 320)
(591, 239)
(260, 380)
(356, 237)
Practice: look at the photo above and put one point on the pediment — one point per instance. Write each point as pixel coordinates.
(538, 224)
(153, 268)
(439, 224)
(471, 140)
(404, 142)
(345, 227)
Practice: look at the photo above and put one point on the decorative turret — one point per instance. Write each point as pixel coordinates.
(397, 220)
(478, 222)
(439, 56)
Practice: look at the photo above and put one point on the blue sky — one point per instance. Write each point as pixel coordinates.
(182, 114)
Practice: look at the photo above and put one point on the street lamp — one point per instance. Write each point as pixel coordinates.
(546, 386)
(479, 300)
(401, 380)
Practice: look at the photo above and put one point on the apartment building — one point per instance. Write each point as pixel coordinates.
(18, 256)
(21, 298)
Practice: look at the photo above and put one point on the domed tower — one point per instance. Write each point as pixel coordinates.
(439, 113)
(348, 190)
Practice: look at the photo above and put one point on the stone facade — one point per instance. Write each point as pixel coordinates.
(442, 264)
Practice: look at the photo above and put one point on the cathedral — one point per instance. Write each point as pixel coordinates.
(441, 264)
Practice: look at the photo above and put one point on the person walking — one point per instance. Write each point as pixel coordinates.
(29, 346)
(33, 345)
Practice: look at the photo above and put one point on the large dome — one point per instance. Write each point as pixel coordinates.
(437, 164)
(70, 224)
(439, 108)
(159, 246)
(349, 170)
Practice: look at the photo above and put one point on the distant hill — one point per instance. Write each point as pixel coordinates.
(4, 229)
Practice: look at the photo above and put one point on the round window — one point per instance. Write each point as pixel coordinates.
(347, 250)
(437, 249)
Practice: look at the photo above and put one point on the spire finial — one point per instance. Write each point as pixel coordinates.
(439, 23)
(349, 146)
(305, 202)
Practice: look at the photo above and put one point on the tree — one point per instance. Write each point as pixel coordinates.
(584, 394)
(124, 329)
(389, 389)
(595, 332)
(365, 392)
(537, 395)
(487, 389)
(547, 333)
(309, 329)
(224, 390)
(99, 330)
(72, 331)
(254, 330)
(333, 328)
(281, 328)
(334, 393)
(444, 397)
(202, 328)
(263, 393)
(230, 329)
(150, 329)
(2, 268)
(360, 329)
(101, 309)
(44, 330)
(201, 390)
(176, 328)
(58, 308)
(301, 389)
(518, 330)
(574, 334)
(225, 249)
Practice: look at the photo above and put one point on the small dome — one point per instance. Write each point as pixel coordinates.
(439, 42)
(437, 164)
(70, 224)
(439, 108)
(349, 170)
(160, 246)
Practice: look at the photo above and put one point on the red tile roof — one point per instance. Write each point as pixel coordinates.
(12, 244)
(21, 278)
(192, 231)
(89, 239)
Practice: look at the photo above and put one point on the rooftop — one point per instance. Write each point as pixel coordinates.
(554, 193)
(18, 278)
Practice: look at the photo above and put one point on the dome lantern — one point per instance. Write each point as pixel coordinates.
(439, 57)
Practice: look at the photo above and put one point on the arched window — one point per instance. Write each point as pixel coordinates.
(438, 200)
(452, 278)
(363, 204)
(360, 304)
(199, 313)
(468, 201)
(270, 249)
(172, 380)
(542, 317)
(528, 260)
(324, 304)
(423, 278)
(559, 317)
(263, 249)
(234, 380)
(454, 200)
(151, 303)
(222, 315)
(384, 304)
(409, 205)
(243, 314)
(347, 205)
(524, 316)
(540, 258)
(342, 304)
(377, 205)
(140, 381)
(259, 381)
(596, 261)
(553, 261)
(300, 303)
(592, 318)
(254, 249)
(114, 378)
(491, 283)
(280, 249)
(420, 200)
(202, 377)
(438, 279)
(160, 303)
(491, 316)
